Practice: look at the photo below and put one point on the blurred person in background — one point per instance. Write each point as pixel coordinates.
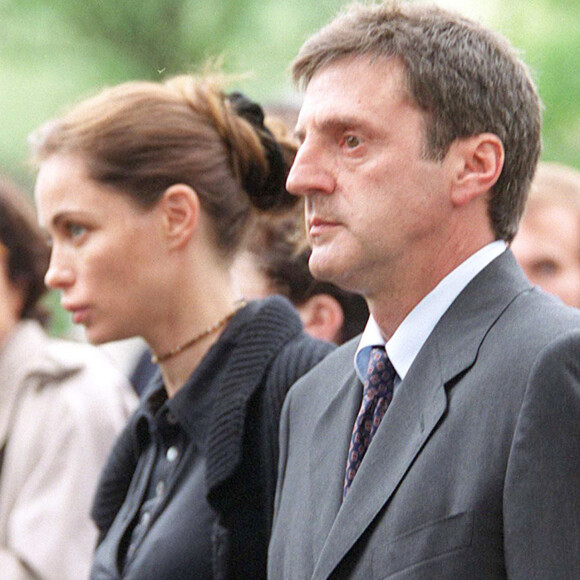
(275, 261)
(146, 190)
(62, 405)
(547, 244)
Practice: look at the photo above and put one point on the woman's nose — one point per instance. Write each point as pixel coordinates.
(59, 275)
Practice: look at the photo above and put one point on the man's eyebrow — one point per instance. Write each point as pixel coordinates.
(335, 123)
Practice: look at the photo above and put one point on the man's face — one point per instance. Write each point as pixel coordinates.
(547, 247)
(374, 203)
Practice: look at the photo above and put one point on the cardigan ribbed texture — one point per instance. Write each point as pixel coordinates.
(268, 354)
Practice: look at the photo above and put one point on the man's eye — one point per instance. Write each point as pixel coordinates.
(351, 141)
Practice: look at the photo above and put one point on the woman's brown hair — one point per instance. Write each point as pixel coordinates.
(143, 137)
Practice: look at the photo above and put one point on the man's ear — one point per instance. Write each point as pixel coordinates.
(322, 316)
(478, 164)
(180, 209)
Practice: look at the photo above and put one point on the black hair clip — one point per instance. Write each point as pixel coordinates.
(247, 109)
(271, 192)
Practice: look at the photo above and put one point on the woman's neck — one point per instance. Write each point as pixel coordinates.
(178, 363)
(199, 300)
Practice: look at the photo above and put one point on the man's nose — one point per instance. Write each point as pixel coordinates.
(311, 171)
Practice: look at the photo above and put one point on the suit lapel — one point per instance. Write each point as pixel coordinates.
(417, 408)
(413, 414)
(329, 448)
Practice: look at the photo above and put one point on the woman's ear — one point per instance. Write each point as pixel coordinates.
(479, 161)
(322, 316)
(180, 209)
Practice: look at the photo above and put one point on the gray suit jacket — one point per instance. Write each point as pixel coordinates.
(474, 472)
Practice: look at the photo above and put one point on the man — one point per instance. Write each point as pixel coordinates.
(420, 133)
(547, 245)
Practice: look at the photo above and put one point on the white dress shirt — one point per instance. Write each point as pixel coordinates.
(410, 336)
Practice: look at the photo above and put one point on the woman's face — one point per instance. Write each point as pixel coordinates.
(106, 250)
(11, 297)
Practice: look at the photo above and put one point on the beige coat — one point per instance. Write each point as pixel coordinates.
(62, 405)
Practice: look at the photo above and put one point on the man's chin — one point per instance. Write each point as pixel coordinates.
(327, 269)
(321, 267)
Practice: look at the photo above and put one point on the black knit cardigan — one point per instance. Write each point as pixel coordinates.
(270, 353)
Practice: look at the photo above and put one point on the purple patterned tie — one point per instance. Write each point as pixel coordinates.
(377, 394)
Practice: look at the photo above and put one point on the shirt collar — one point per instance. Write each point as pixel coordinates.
(410, 336)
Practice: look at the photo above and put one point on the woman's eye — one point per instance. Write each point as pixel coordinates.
(76, 230)
(351, 141)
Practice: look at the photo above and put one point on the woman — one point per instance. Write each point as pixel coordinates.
(62, 405)
(146, 191)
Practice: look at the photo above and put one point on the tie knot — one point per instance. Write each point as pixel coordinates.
(380, 372)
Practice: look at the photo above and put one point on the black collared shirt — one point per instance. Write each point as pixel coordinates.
(223, 493)
(164, 528)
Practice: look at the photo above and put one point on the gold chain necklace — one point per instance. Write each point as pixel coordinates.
(207, 332)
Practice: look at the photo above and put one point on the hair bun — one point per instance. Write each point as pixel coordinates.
(266, 191)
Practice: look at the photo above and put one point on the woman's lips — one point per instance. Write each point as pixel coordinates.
(80, 314)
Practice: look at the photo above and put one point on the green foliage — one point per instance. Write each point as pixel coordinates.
(548, 31)
(53, 53)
